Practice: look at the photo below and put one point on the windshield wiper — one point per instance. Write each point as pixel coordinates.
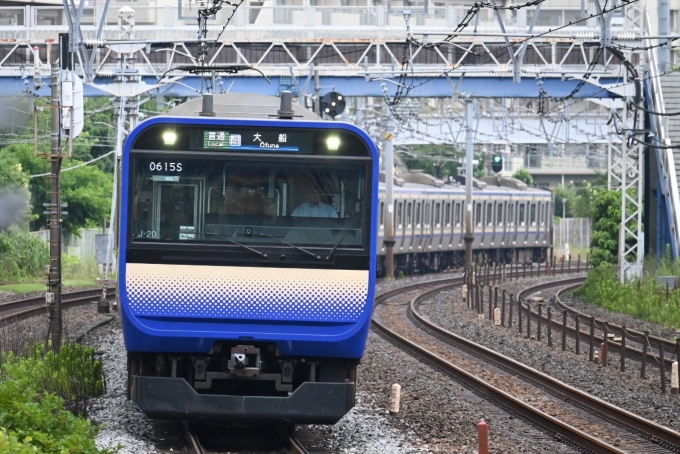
(342, 237)
(261, 254)
(292, 245)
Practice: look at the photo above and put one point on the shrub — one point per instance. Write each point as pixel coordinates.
(11, 444)
(74, 375)
(22, 255)
(32, 422)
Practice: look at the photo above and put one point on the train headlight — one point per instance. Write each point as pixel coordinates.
(333, 143)
(169, 138)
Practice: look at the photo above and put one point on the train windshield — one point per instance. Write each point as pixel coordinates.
(248, 203)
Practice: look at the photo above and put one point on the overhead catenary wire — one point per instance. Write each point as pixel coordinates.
(82, 164)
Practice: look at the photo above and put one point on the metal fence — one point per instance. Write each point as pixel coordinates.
(91, 244)
(575, 232)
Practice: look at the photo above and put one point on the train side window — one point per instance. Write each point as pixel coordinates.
(437, 214)
(408, 214)
(456, 211)
(447, 217)
(521, 214)
(499, 215)
(511, 214)
(543, 212)
(382, 213)
(418, 214)
(478, 214)
(399, 213)
(532, 214)
(426, 221)
(489, 213)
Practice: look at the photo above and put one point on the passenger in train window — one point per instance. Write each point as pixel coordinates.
(314, 207)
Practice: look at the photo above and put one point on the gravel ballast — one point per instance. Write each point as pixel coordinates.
(625, 389)
(437, 414)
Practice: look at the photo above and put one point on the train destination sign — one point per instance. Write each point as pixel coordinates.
(252, 140)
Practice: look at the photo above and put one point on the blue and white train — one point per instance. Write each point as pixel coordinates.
(233, 307)
(512, 223)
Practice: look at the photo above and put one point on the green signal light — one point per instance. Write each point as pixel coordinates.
(497, 158)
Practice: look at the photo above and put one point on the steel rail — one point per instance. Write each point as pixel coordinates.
(484, 389)
(190, 439)
(21, 309)
(647, 429)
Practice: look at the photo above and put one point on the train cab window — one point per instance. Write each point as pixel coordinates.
(521, 214)
(499, 214)
(447, 217)
(249, 203)
(478, 214)
(382, 214)
(457, 211)
(437, 214)
(532, 214)
(408, 214)
(489, 213)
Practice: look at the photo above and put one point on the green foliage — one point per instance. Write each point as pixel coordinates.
(606, 215)
(14, 194)
(10, 443)
(75, 266)
(440, 160)
(73, 374)
(35, 422)
(437, 160)
(87, 190)
(644, 299)
(525, 176)
(22, 255)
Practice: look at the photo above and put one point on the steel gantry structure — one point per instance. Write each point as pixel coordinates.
(392, 52)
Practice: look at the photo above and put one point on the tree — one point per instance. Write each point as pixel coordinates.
(87, 190)
(525, 176)
(14, 193)
(606, 211)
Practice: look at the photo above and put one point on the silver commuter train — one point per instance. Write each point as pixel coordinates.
(513, 223)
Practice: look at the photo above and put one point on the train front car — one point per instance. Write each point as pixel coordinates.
(247, 267)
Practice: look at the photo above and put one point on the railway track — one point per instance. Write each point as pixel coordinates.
(568, 414)
(275, 440)
(13, 311)
(634, 349)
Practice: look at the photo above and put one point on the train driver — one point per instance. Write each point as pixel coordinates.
(314, 207)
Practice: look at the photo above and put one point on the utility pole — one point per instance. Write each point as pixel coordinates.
(389, 206)
(53, 296)
(469, 154)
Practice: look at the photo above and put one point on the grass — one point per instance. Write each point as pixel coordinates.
(643, 299)
(37, 287)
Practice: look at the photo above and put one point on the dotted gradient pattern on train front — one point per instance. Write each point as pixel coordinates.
(246, 293)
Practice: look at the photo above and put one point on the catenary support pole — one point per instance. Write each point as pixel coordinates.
(469, 154)
(389, 206)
